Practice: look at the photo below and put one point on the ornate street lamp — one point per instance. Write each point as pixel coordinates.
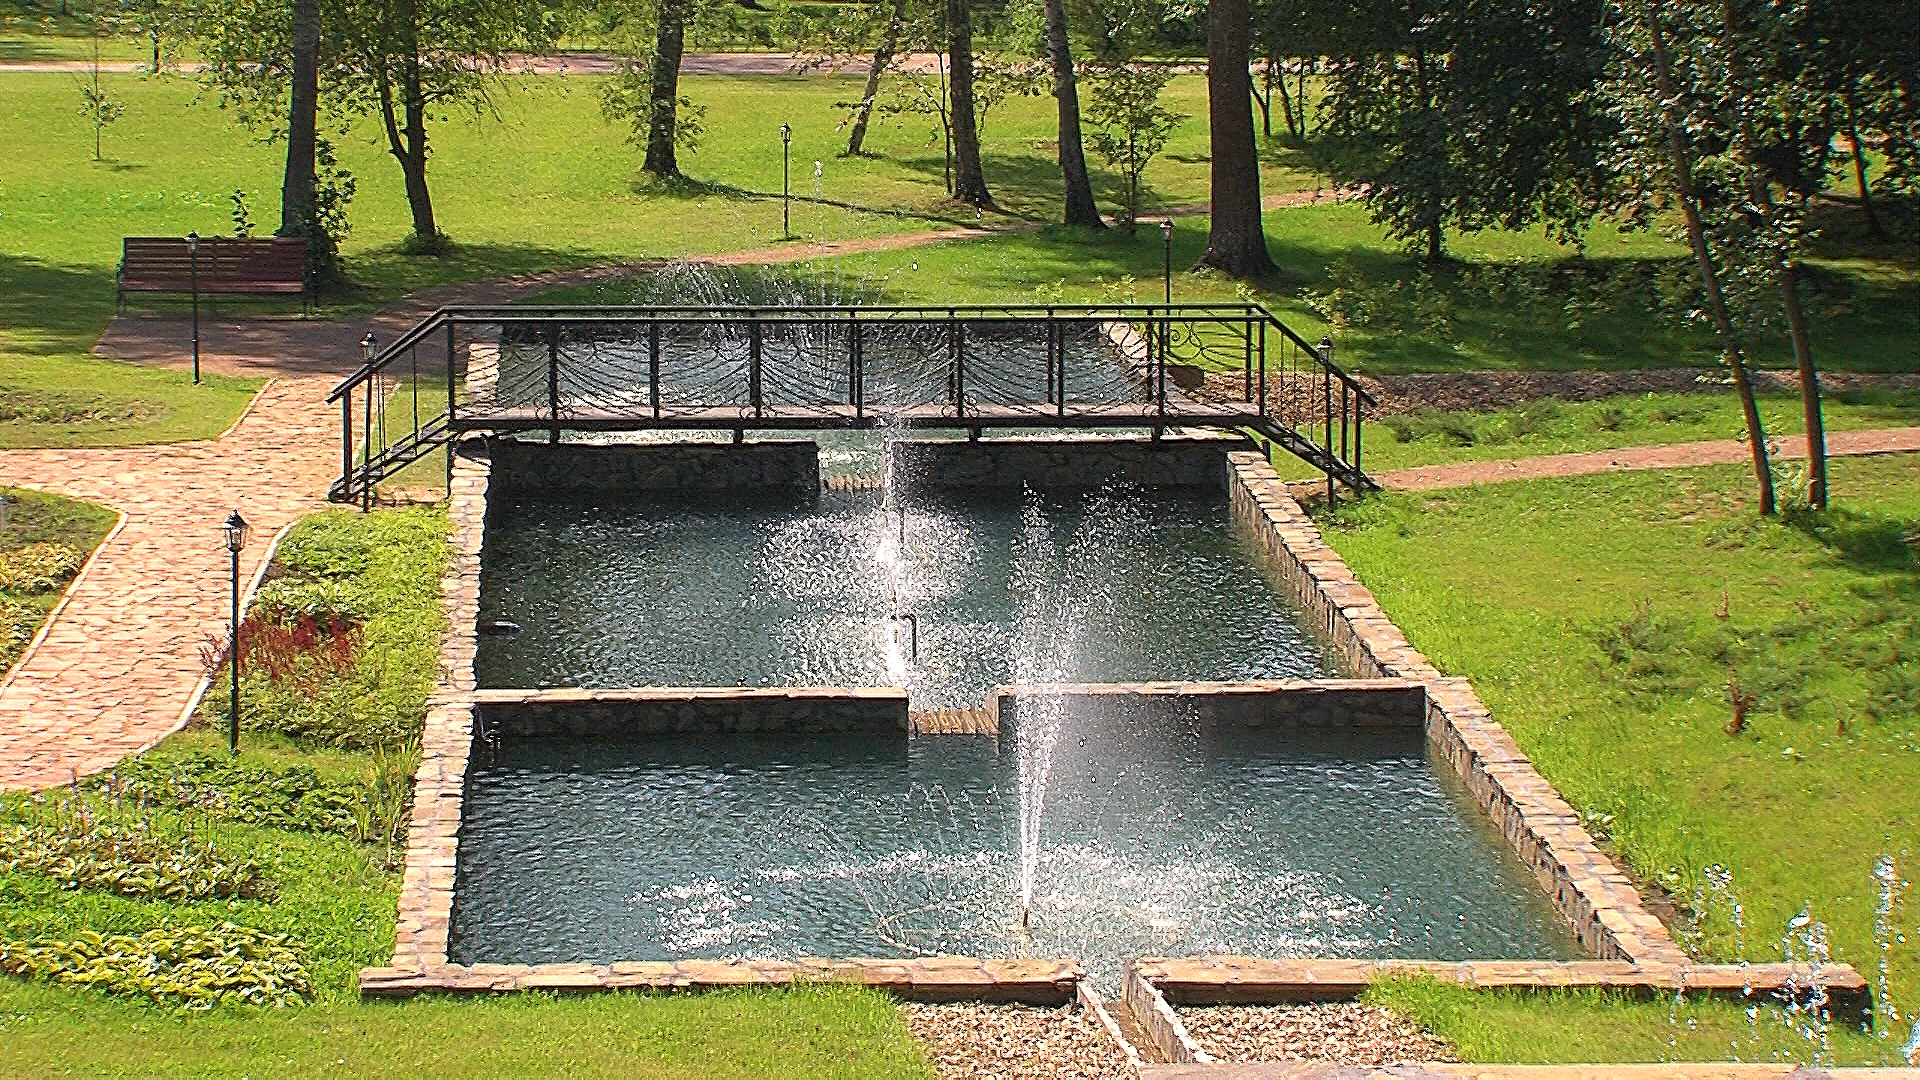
(786, 182)
(193, 285)
(366, 348)
(237, 531)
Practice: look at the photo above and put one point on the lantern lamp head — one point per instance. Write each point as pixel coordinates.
(237, 531)
(366, 347)
(786, 133)
(193, 240)
(1166, 230)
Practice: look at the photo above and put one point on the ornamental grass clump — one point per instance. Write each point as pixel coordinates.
(191, 967)
(80, 851)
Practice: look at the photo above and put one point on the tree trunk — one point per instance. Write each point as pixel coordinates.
(1236, 240)
(408, 145)
(296, 186)
(1080, 207)
(1263, 97)
(969, 179)
(1809, 389)
(1860, 174)
(670, 42)
(1286, 108)
(1709, 276)
(882, 56)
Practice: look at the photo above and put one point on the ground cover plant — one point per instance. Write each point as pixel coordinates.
(1729, 702)
(43, 542)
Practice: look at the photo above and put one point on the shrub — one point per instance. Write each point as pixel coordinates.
(82, 852)
(293, 797)
(191, 967)
(17, 624)
(319, 600)
(38, 568)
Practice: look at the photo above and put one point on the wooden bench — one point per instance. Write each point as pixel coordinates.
(273, 266)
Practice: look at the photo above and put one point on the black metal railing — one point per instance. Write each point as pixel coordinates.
(549, 370)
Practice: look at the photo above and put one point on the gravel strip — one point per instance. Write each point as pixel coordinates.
(1346, 1033)
(965, 1042)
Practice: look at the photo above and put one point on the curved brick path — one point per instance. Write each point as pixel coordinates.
(117, 668)
(1670, 456)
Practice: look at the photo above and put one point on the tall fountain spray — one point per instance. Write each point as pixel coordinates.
(1044, 639)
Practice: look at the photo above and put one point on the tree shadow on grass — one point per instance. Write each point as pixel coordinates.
(48, 308)
(1861, 539)
(687, 189)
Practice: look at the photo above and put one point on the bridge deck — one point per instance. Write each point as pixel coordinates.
(805, 417)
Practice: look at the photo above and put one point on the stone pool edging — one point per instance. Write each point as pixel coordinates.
(1079, 461)
(766, 467)
(424, 920)
(1633, 948)
(674, 710)
(1259, 703)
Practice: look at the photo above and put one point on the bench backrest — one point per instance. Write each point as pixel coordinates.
(223, 261)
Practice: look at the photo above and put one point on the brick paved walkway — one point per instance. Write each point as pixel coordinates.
(1671, 456)
(117, 668)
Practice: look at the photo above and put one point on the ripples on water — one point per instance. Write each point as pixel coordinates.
(1158, 839)
(700, 595)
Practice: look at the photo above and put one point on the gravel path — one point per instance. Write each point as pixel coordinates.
(966, 1042)
(1346, 1033)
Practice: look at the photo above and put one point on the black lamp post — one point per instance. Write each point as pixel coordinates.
(786, 181)
(193, 285)
(1326, 347)
(1166, 235)
(366, 348)
(237, 530)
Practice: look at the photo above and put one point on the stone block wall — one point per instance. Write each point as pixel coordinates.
(1320, 703)
(1597, 899)
(1080, 461)
(776, 467)
(657, 711)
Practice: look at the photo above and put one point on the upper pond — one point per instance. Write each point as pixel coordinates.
(1061, 588)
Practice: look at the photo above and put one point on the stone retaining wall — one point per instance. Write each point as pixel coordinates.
(727, 710)
(1329, 703)
(446, 740)
(1598, 901)
(932, 979)
(1078, 461)
(782, 467)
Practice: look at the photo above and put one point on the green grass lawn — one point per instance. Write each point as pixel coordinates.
(43, 542)
(1604, 619)
(826, 1032)
(1515, 1027)
(549, 183)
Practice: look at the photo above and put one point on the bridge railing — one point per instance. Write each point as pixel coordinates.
(556, 369)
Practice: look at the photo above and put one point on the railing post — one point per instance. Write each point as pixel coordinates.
(553, 385)
(1160, 369)
(1263, 367)
(366, 449)
(413, 367)
(958, 336)
(753, 365)
(1359, 425)
(1060, 378)
(855, 373)
(346, 445)
(1246, 366)
(1052, 332)
(1326, 436)
(450, 385)
(653, 365)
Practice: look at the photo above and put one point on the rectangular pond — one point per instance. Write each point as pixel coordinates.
(1156, 838)
(1058, 588)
